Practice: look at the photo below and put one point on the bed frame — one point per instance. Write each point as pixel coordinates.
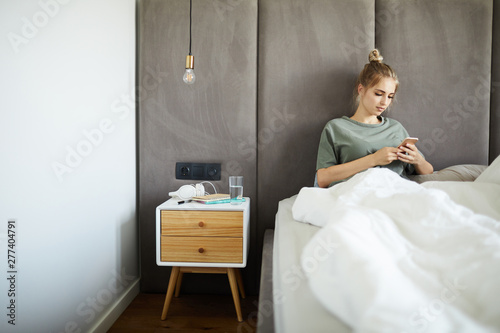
(265, 320)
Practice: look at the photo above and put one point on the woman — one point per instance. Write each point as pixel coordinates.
(367, 140)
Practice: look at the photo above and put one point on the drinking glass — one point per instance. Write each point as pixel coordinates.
(236, 189)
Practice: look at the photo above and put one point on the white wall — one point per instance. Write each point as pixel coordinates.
(68, 163)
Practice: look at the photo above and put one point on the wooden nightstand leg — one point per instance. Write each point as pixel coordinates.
(178, 285)
(240, 282)
(234, 290)
(170, 291)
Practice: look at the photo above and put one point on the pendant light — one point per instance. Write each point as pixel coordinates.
(189, 76)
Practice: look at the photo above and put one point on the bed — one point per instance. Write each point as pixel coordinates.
(380, 253)
(446, 56)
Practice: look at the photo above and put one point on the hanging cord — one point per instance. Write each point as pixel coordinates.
(190, 14)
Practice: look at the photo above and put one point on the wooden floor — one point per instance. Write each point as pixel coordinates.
(187, 313)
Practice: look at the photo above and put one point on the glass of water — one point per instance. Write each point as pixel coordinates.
(236, 189)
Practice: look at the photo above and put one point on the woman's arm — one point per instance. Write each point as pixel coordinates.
(338, 172)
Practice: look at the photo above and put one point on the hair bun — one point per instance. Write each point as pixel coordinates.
(375, 56)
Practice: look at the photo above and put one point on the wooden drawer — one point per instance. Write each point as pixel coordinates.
(202, 249)
(201, 223)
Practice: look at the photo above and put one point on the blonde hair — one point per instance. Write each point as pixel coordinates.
(373, 72)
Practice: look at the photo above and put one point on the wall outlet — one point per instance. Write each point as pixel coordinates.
(197, 171)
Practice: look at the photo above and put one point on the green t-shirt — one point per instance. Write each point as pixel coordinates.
(344, 140)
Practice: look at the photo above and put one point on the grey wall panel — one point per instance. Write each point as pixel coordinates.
(310, 53)
(266, 120)
(442, 53)
(495, 91)
(204, 122)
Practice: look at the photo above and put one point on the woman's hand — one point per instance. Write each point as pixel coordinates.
(409, 154)
(385, 155)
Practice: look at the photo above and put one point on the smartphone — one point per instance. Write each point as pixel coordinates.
(408, 140)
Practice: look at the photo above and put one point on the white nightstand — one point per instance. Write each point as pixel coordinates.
(202, 238)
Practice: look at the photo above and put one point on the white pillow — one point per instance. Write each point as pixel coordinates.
(491, 174)
(463, 173)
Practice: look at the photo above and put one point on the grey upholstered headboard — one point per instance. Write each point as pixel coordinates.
(271, 73)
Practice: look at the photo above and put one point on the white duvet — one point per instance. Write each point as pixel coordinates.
(396, 256)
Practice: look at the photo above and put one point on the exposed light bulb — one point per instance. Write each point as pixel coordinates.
(189, 76)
